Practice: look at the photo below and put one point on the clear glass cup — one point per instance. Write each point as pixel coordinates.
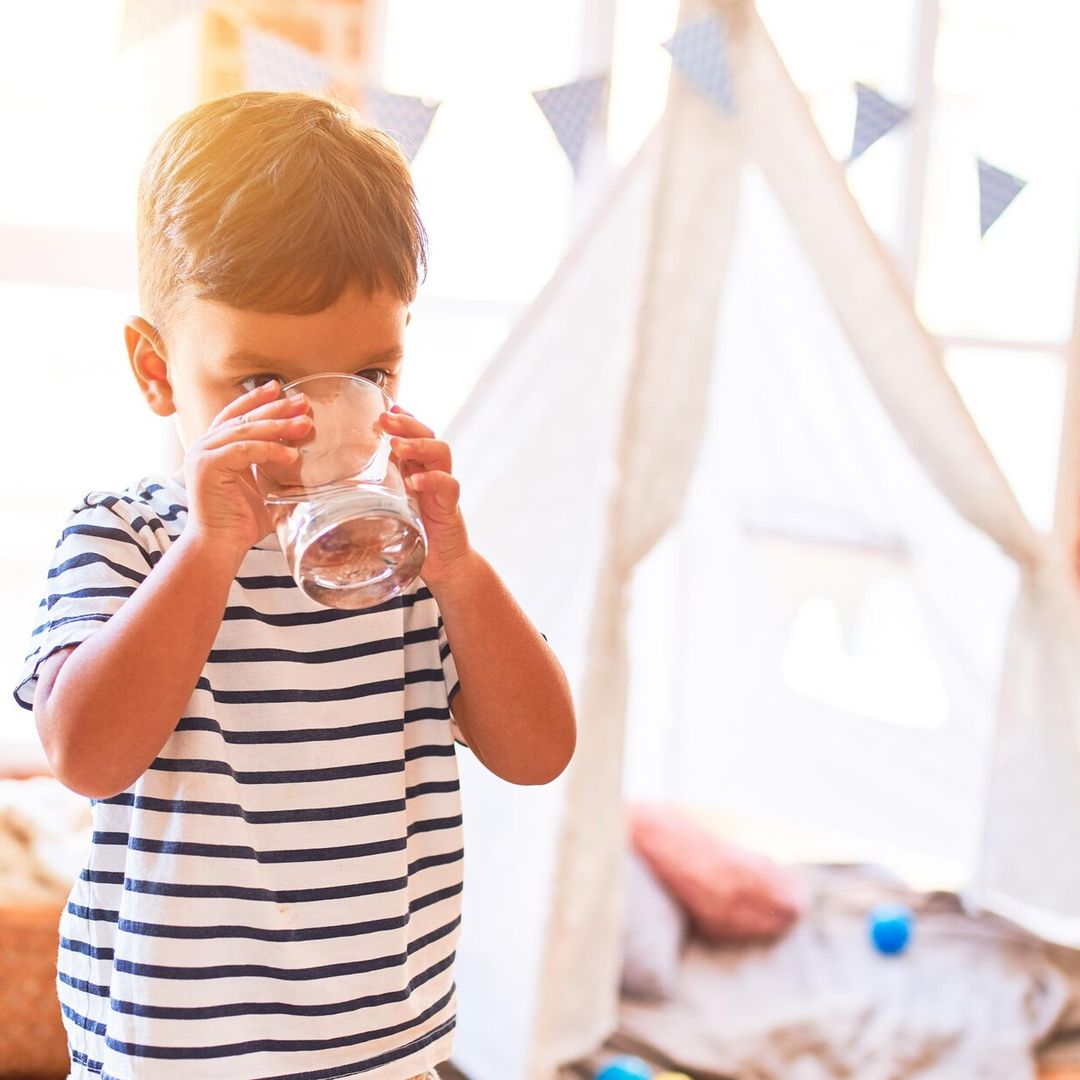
(351, 534)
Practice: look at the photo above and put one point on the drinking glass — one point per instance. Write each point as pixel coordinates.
(351, 534)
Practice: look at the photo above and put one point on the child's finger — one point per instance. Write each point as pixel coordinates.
(237, 457)
(401, 423)
(429, 453)
(275, 429)
(262, 394)
(258, 409)
(440, 487)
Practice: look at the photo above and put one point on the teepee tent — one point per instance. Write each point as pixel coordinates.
(726, 353)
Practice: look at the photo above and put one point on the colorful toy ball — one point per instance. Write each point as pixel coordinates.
(890, 928)
(625, 1068)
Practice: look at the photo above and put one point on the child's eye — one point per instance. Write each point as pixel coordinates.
(252, 381)
(379, 376)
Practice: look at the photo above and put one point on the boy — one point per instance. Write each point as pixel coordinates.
(274, 884)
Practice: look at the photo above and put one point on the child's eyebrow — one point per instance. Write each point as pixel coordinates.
(242, 359)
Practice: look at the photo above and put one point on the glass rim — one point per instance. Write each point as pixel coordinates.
(286, 387)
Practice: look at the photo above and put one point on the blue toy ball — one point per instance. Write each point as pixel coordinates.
(890, 928)
(625, 1068)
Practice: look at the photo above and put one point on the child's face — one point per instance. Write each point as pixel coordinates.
(215, 352)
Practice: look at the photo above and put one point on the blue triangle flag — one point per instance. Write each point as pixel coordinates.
(997, 189)
(142, 18)
(275, 64)
(875, 116)
(700, 52)
(572, 111)
(405, 118)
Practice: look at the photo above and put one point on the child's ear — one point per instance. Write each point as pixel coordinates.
(146, 356)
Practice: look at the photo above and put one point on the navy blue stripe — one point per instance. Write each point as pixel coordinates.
(96, 989)
(289, 696)
(281, 1008)
(427, 713)
(263, 817)
(283, 776)
(107, 915)
(109, 501)
(101, 877)
(268, 971)
(290, 735)
(432, 787)
(266, 581)
(50, 601)
(371, 1063)
(323, 656)
(433, 898)
(323, 615)
(242, 892)
(413, 753)
(85, 948)
(254, 933)
(274, 896)
(424, 675)
(53, 624)
(319, 656)
(154, 524)
(77, 1018)
(428, 861)
(434, 825)
(80, 1058)
(241, 851)
(104, 532)
(88, 558)
(255, 1046)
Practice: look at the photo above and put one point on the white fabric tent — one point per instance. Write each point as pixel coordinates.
(600, 428)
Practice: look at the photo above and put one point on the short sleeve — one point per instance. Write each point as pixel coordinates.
(99, 561)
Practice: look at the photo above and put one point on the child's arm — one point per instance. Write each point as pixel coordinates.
(106, 707)
(514, 708)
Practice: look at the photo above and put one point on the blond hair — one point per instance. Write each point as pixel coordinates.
(275, 202)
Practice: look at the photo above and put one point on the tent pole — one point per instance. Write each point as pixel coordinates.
(1066, 508)
(922, 84)
(690, 233)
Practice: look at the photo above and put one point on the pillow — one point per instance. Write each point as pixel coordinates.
(730, 894)
(654, 931)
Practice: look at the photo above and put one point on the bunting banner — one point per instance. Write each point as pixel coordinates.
(875, 116)
(276, 64)
(144, 18)
(407, 119)
(997, 189)
(700, 53)
(698, 49)
(573, 110)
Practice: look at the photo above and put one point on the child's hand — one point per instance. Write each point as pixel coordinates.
(424, 462)
(223, 502)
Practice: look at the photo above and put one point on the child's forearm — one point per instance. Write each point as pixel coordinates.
(514, 708)
(105, 708)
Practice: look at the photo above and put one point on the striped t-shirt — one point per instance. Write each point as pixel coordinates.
(279, 893)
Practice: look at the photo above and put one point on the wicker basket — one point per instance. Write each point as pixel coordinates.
(32, 1039)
